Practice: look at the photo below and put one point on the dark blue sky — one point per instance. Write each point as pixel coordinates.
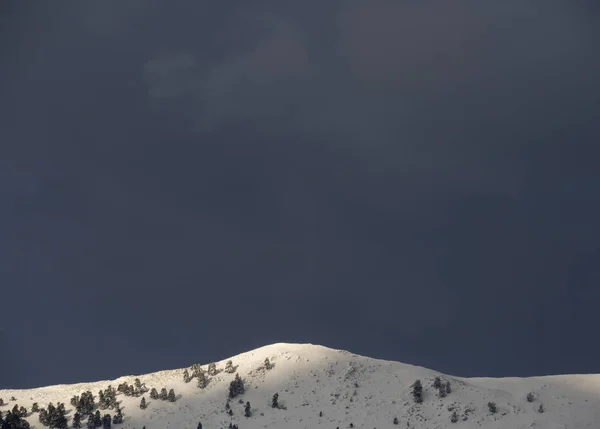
(184, 181)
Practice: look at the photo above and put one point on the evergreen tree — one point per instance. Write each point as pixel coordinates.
(530, 397)
(201, 383)
(102, 401)
(163, 394)
(118, 418)
(22, 412)
(442, 391)
(541, 408)
(35, 407)
(275, 401)
(43, 417)
(14, 421)
(492, 407)
(395, 420)
(236, 387)
(74, 401)
(448, 388)
(97, 419)
(247, 410)
(106, 421)
(143, 404)
(59, 421)
(437, 382)
(186, 376)
(1, 402)
(320, 413)
(15, 410)
(52, 414)
(153, 393)
(76, 421)
(199, 425)
(454, 417)
(60, 407)
(138, 384)
(110, 395)
(267, 363)
(212, 369)
(229, 367)
(417, 391)
(171, 397)
(90, 422)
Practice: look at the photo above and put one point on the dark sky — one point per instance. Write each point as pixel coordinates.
(181, 181)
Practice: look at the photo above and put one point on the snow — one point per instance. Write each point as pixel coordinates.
(311, 379)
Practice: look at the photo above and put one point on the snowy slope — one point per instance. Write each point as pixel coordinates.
(312, 379)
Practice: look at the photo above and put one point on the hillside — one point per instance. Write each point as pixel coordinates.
(349, 390)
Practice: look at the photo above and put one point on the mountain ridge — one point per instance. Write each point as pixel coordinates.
(324, 387)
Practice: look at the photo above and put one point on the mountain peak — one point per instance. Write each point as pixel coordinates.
(317, 386)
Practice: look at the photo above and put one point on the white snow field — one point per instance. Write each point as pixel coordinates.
(349, 390)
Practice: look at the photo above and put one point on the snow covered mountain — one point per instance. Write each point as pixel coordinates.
(319, 387)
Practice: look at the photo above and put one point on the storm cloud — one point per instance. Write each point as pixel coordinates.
(413, 181)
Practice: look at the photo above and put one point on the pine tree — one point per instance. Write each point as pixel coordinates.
(163, 394)
(267, 363)
(212, 369)
(201, 383)
(247, 410)
(101, 400)
(138, 384)
(171, 397)
(442, 391)
(541, 408)
(417, 391)
(76, 421)
(530, 397)
(395, 420)
(199, 426)
(448, 388)
(118, 418)
(492, 407)
(106, 421)
(236, 387)
(153, 393)
(90, 422)
(437, 382)
(275, 401)
(454, 417)
(97, 419)
(229, 367)
(186, 376)
(143, 404)
(1, 402)
(43, 417)
(35, 408)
